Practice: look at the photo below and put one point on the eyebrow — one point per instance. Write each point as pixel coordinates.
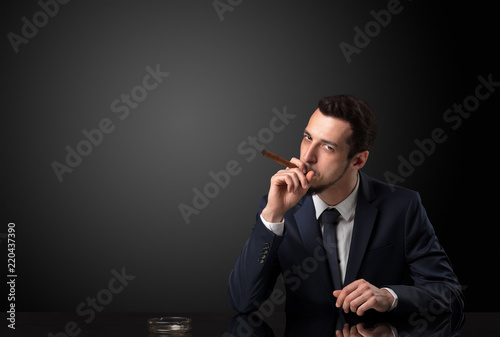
(329, 142)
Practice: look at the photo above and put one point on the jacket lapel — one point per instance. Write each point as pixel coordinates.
(364, 221)
(311, 237)
(308, 226)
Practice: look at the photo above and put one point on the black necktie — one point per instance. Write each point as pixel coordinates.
(329, 218)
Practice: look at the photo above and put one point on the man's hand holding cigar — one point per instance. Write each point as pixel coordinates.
(287, 187)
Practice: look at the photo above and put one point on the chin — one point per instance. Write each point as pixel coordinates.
(316, 189)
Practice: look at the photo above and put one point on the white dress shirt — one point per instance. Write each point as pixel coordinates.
(344, 227)
(343, 230)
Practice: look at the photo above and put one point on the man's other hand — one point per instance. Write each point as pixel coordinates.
(360, 296)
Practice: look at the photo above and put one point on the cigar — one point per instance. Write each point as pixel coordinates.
(278, 159)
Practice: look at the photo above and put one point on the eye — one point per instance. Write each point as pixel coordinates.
(328, 147)
(307, 137)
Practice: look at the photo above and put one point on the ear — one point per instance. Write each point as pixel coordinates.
(359, 160)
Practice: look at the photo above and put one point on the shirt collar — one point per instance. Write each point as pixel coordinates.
(346, 207)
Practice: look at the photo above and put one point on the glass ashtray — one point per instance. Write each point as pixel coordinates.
(169, 325)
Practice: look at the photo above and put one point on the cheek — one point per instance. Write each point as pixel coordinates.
(327, 169)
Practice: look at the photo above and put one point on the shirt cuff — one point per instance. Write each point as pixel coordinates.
(395, 301)
(276, 227)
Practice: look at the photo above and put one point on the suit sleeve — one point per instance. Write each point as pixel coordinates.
(256, 269)
(434, 283)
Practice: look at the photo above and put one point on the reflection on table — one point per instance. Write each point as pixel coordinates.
(278, 324)
(372, 324)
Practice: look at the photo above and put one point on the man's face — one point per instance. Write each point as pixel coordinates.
(324, 149)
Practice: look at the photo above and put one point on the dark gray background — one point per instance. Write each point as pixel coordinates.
(120, 207)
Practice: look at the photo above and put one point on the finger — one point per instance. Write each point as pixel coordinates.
(302, 180)
(292, 183)
(381, 329)
(361, 329)
(282, 177)
(346, 330)
(354, 331)
(369, 304)
(354, 299)
(306, 179)
(279, 181)
(345, 292)
(300, 164)
(351, 292)
(279, 177)
(309, 178)
(357, 298)
(341, 295)
(304, 168)
(346, 305)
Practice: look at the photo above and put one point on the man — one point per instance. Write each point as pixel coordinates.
(340, 238)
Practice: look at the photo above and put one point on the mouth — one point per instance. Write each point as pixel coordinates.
(309, 168)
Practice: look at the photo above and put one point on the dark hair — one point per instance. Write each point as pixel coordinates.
(358, 114)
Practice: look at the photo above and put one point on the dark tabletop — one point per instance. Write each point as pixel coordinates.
(230, 324)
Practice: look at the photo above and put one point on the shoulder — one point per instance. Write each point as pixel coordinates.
(374, 189)
(394, 201)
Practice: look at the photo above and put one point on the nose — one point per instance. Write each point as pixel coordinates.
(309, 153)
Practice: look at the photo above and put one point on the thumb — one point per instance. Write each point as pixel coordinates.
(309, 176)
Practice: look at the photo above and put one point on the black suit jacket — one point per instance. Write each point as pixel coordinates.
(393, 245)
